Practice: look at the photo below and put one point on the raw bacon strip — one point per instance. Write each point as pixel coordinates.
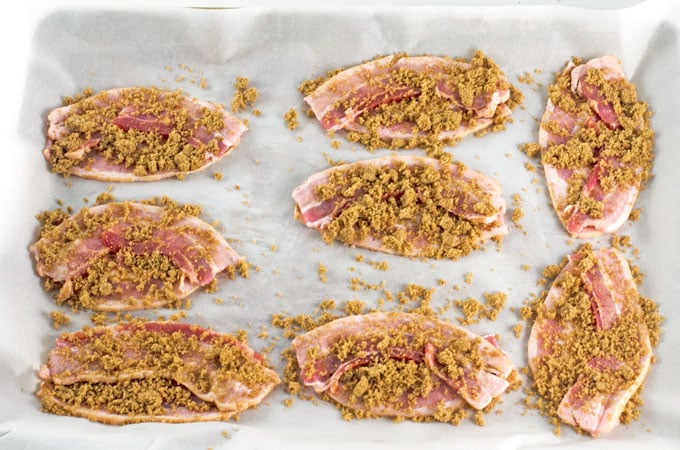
(103, 240)
(593, 107)
(222, 376)
(139, 134)
(461, 193)
(603, 383)
(343, 101)
(329, 355)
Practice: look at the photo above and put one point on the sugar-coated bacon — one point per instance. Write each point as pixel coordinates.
(344, 100)
(593, 115)
(459, 367)
(152, 371)
(604, 383)
(106, 239)
(459, 194)
(139, 134)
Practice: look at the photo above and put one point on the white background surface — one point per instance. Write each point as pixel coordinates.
(52, 54)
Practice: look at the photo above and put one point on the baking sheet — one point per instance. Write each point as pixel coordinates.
(277, 48)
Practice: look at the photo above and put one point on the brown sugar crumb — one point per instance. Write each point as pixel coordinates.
(104, 197)
(323, 273)
(635, 214)
(526, 78)
(244, 95)
(468, 277)
(532, 149)
(380, 265)
(59, 319)
(98, 319)
(354, 307)
(291, 119)
(552, 270)
(517, 330)
(176, 317)
(356, 284)
(217, 175)
(529, 167)
(525, 267)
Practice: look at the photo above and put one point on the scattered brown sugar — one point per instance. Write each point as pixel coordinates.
(531, 149)
(380, 265)
(517, 330)
(468, 277)
(244, 95)
(323, 271)
(517, 212)
(474, 311)
(59, 319)
(356, 284)
(635, 214)
(333, 162)
(291, 119)
(217, 175)
(419, 204)
(571, 352)
(429, 113)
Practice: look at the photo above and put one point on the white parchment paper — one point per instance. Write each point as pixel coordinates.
(277, 49)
